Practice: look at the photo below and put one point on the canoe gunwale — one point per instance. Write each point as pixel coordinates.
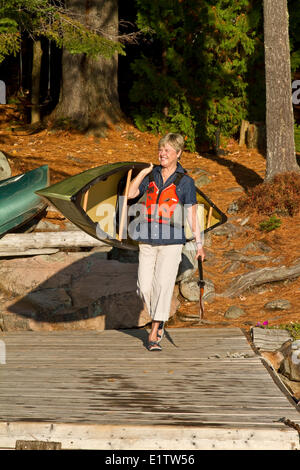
(221, 214)
(104, 176)
(39, 210)
(76, 199)
(22, 213)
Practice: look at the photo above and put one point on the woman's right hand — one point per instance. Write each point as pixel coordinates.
(134, 185)
(147, 170)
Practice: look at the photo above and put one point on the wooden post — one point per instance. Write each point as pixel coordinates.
(124, 207)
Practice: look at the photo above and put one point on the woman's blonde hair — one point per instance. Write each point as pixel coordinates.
(175, 140)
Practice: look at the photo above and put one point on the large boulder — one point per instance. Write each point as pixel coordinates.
(189, 264)
(73, 291)
(189, 289)
(278, 304)
(5, 170)
(290, 366)
(234, 312)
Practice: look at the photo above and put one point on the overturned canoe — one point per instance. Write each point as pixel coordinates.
(19, 201)
(91, 200)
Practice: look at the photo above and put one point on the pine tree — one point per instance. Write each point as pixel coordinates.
(87, 32)
(89, 90)
(193, 78)
(50, 19)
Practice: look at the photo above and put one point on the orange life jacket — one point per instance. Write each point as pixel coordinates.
(160, 204)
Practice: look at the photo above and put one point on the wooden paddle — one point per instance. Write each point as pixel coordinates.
(201, 284)
(124, 207)
(85, 200)
(209, 217)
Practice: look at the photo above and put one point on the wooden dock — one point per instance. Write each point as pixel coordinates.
(206, 389)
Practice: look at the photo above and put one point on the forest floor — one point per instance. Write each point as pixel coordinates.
(68, 152)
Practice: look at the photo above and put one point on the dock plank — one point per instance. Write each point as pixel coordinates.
(203, 377)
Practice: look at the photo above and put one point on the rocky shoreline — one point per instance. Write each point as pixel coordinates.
(69, 286)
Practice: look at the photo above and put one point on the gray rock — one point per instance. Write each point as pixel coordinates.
(70, 226)
(278, 304)
(49, 300)
(232, 267)
(189, 264)
(5, 170)
(207, 239)
(233, 208)
(123, 256)
(257, 246)
(47, 226)
(290, 366)
(202, 180)
(238, 256)
(73, 291)
(195, 172)
(189, 289)
(234, 312)
(210, 257)
(11, 322)
(228, 229)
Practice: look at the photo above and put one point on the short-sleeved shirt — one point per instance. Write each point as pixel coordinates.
(156, 233)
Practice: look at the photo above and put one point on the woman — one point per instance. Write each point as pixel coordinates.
(163, 190)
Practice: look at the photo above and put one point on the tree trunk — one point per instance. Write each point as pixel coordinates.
(36, 77)
(89, 89)
(281, 156)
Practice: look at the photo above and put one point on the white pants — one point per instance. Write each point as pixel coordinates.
(158, 267)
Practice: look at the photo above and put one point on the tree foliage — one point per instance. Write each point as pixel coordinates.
(52, 20)
(193, 79)
(204, 69)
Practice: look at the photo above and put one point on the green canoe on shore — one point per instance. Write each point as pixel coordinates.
(91, 201)
(18, 201)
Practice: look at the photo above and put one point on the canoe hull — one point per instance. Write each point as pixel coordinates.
(91, 201)
(19, 201)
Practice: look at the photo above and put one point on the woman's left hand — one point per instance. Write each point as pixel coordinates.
(200, 253)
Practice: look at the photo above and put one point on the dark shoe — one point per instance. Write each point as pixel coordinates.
(153, 346)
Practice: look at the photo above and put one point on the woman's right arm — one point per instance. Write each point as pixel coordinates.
(135, 183)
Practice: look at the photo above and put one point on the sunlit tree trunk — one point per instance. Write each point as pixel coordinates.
(281, 155)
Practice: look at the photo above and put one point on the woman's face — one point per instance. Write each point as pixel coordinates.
(168, 156)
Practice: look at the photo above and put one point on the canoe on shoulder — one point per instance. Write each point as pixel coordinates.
(19, 201)
(86, 199)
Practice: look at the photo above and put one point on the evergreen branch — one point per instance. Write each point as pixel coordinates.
(50, 18)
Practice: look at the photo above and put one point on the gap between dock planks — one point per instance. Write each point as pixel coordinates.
(110, 377)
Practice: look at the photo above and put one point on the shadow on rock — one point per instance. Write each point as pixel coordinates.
(73, 291)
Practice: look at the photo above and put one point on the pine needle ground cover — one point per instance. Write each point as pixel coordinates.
(280, 196)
